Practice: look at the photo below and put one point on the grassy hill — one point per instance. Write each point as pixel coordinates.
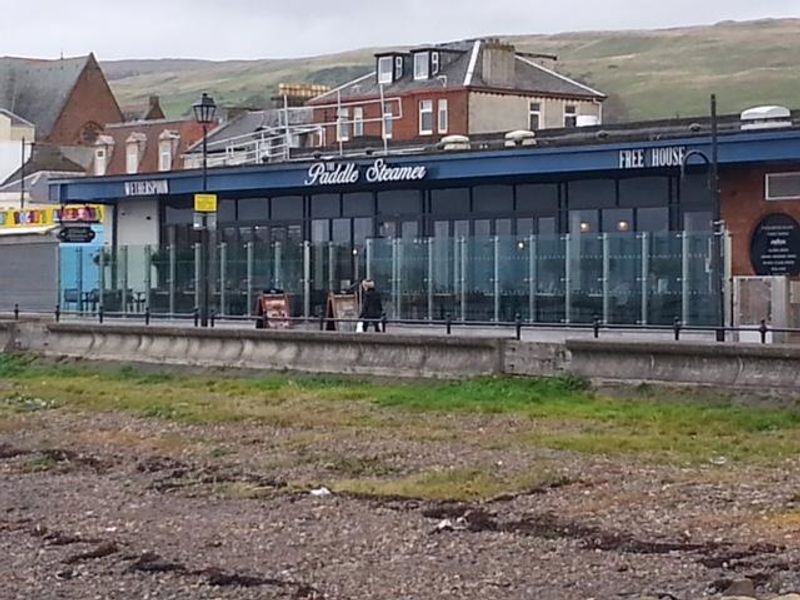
(647, 74)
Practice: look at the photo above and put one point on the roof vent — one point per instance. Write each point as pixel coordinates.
(520, 137)
(455, 142)
(766, 117)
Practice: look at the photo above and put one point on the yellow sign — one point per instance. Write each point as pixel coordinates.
(205, 203)
(51, 215)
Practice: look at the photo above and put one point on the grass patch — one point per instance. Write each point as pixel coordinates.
(456, 485)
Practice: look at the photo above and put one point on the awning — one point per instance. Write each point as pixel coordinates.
(28, 230)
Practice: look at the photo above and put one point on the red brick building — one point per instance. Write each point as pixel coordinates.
(68, 100)
(466, 88)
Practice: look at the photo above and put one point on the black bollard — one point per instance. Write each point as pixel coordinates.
(58, 313)
(100, 314)
(16, 312)
(213, 318)
(763, 331)
(518, 326)
(196, 317)
(147, 315)
(383, 323)
(449, 322)
(676, 326)
(596, 326)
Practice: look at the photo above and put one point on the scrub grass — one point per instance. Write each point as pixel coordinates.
(560, 414)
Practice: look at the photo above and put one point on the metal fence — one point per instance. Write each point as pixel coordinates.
(625, 279)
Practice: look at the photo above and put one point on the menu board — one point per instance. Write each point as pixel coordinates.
(275, 307)
(342, 306)
(775, 246)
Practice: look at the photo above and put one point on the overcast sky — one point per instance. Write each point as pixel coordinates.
(222, 29)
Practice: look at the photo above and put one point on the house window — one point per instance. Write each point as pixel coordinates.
(443, 118)
(132, 158)
(398, 68)
(426, 117)
(535, 116)
(100, 161)
(388, 121)
(343, 130)
(421, 65)
(570, 115)
(165, 156)
(358, 121)
(783, 186)
(385, 69)
(435, 63)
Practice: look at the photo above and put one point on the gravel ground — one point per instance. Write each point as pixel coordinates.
(110, 506)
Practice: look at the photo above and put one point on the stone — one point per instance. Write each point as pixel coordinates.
(740, 587)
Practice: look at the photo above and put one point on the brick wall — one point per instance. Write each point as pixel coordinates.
(91, 101)
(744, 204)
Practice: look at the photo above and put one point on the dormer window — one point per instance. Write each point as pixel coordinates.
(167, 145)
(102, 153)
(421, 65)
(398, 68)
(133, 152)
(385, 66)
(435, 63)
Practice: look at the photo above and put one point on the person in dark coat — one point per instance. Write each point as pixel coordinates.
(371, 307)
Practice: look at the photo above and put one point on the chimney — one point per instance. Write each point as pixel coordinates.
(499, 63)
(154, 112)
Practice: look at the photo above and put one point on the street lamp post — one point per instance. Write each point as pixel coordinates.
(717, 229)
(22, 172)
(204, 112)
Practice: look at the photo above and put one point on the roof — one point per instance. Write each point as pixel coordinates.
(461, 66)
(16, 120)
(250, 122)
(45, 157)
(37, 90)
(187, 132)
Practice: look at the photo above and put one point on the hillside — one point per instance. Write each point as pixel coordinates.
(647, 74)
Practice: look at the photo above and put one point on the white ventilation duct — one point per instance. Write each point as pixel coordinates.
(455, 142)
(766, 117)
(520, 137)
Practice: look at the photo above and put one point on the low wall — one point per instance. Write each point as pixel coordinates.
(317, 352)
(7, 336)
(735, 366)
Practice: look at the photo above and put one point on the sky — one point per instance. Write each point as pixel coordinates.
(248, 29)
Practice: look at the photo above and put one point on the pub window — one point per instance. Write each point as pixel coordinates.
(399, 202)
(410, 230)
(537, 199)
(653, 219)
(583, 221)
(644, 191)
(483, 227)
(320, 231)
(287, 207)
(325, 206)
(421, 65)
(254, 209)
(443, 116)
(783, 186)
(385, 69)
(362, 229)
(426, 117)
(132, 158)
(502, 227)
(592, 193)
(493, 198)
(535, 115)
(450, 201)
(697, 221)
(525, 226)
(695, 190)
(226, 212)
(570, 115)
(341, 231)
(358, 121)
(618, 220)
(546, 226)
(343, 129)
(165, 155)
(358, 205)
(100, 161)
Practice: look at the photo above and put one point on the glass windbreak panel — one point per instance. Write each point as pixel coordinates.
(585, 278)
(362, 229)
(411, 287)
(624, 302)
(701, 304)
(655, 219)
(548, 272)
(450, 201)
(525, 226)
(537, 199)
(233, 280)
(441, 229)
(461, 228)
(341, 231)
(382, 267)
(399, 202)
(185, 290)
(502, 227)
(80, 277)
(323, 275)
(387, 229)
(592, 193)
(493, 198)
(584, 222)
(479, 278)
(445, 276)
(644, 191)
(513, 278)
(664, 276)
(483, 227)
(254, 209)
(320, 230)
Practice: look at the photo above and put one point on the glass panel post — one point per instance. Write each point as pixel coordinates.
(606, 279)
(645, 276)
(198, 258)
(567, 278)
(223, 278)
(369, 256)
(331, 267)
(496, 280)
(251, 253)
(429, 249)
(123, 260)
(533, 277)
(395, 278)
(148, 275)
(101, 261)
(173, 272)
(78, 274)
(684, 277)
(463, 276)
(306, 279)
(278, 283)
